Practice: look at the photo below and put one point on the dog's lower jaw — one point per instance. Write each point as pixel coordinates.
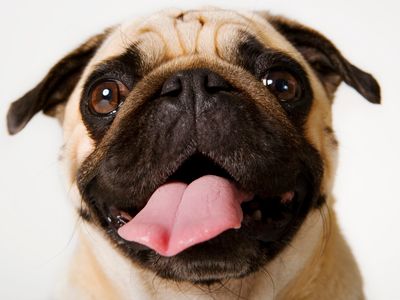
(314, 266)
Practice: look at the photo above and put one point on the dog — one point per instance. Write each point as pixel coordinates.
(201, 155)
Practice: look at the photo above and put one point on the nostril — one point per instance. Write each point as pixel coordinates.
(216, 83)
(172, 87)
(198, 81)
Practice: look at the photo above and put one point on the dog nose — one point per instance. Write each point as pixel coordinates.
(194, 83)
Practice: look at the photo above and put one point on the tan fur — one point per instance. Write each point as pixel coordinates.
(317, 265)
(90, 282)
(331, 273)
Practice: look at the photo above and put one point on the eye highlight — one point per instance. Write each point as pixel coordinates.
(106, 96)
(283, 85)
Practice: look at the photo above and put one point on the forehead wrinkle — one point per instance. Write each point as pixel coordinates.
(188, 32)
(165, 28)
(191, 32)
(209, 36)
(177, 33)
(227, 37)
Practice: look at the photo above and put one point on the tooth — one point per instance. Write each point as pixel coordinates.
(257, 215)
(119, 217)
(127, 217)
(123, 218)
(287, 197)
(121, 221)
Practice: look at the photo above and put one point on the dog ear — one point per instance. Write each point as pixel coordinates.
(327, 61)
(55, 88)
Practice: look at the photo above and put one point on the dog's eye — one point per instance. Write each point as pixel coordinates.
(283, 85)
(106, 96)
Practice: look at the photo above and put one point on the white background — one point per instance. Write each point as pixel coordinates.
(36, 224)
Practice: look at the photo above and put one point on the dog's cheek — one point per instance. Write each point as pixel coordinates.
(77, 146)
(79, 149)
(318, 131)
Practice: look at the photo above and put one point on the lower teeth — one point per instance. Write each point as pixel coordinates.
(119, 218)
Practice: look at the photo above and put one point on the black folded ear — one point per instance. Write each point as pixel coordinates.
(55, 88)
(328, 63)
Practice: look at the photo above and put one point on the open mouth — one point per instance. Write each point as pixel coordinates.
(199, 202)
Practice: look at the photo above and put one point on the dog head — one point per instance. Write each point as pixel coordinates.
(198, 142)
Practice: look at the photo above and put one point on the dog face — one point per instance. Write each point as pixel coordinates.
(198, 142)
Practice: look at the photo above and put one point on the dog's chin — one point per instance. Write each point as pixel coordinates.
(269, 222)
(209, 262)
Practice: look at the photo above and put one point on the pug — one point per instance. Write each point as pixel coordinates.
(201, 155)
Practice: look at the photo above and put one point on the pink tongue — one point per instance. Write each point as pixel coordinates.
(178, 215)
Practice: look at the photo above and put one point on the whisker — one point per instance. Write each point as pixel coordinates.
(265, 271)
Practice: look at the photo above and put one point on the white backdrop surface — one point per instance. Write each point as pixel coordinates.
(36, 224)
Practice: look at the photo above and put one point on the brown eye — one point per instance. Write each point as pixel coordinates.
(107, 96)
(283, 85)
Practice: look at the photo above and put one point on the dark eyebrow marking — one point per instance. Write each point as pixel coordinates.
(249, 49)
(126, 67)
(256, 58)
